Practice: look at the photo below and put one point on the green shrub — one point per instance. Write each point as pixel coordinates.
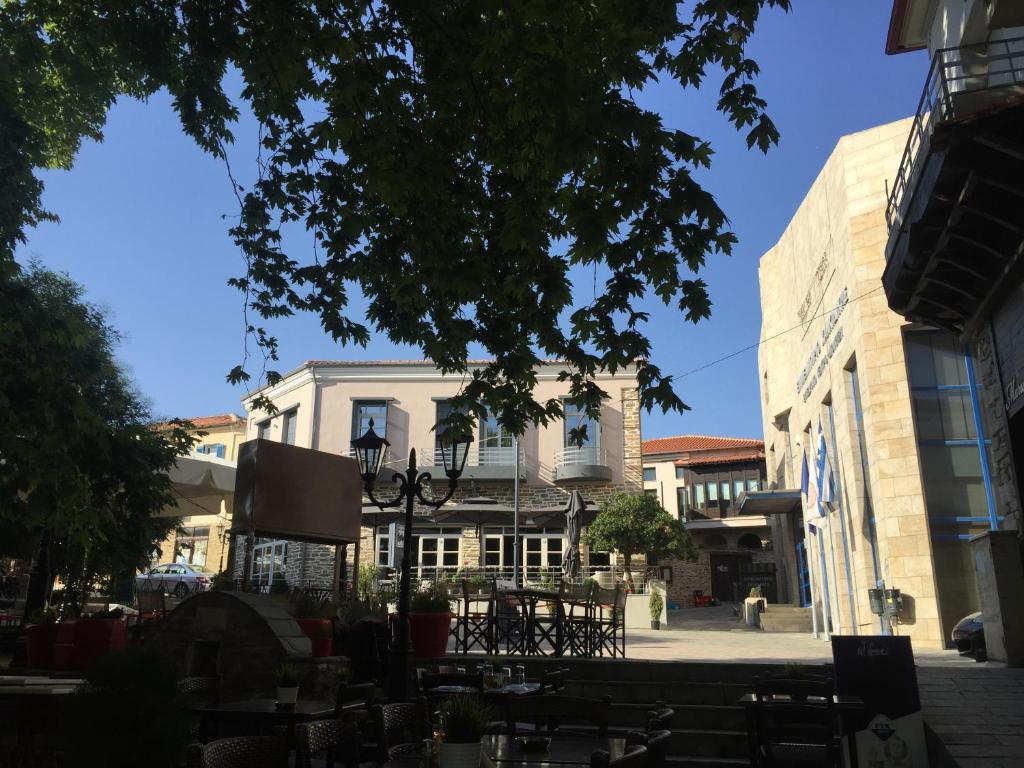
(288, 676)
(465, 719)
(433, 599)
(655, 604)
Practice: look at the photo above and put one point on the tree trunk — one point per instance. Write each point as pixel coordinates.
(626, 576)
(40, 579)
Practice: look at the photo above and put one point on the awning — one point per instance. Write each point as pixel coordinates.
(479, 510)
(554, 517)
(769, 502)
(199, 485)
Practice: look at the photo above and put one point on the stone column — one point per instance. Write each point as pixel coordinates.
(632, 459)
(997, 562)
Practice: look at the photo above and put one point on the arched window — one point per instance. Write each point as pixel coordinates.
(715, 541)
(749, 541)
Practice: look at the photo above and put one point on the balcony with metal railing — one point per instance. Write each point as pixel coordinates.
(483, 462)
(953, 208)
(588, 462)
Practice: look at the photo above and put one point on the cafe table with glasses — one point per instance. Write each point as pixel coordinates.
(258, 715)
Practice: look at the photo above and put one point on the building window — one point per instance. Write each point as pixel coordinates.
(497, 445)
(436, 551)
(363, 411)
(384, 553)
(211, 449)
(680, 473)
(683, 502)
(726, 490)
(650, 474)
(954, 467)
(191, 545)
(269, 561)
(576, 419)
(444, 410)
(263, 430)
(737, 488)
(712, 493)
(289, 420)
(715, 541)
(698, 497)
(749, 541)
(540, 552)
(752, 485)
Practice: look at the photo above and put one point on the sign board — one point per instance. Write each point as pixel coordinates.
(286, 492)
(879, 669)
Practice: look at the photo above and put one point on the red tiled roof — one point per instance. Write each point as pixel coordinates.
(722, 457)
(684, 443)
(202, 422)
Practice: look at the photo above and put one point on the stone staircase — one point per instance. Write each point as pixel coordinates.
(708, 730)
(785, 618)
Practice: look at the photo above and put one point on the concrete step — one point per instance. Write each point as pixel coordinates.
(694, 761)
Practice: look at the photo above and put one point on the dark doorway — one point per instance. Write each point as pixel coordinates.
(725, 575)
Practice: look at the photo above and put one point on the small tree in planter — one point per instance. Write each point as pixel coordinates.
(430, 617)
(464, 722)
(655, 604)
(636, 524)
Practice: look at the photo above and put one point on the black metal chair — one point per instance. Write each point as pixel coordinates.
(552, 681)
(240, 752)
(401, 728)
(635, 757)
(350, 696)
(473, 626)
(337, 740)
(549, 713)
(657, 743)
(660, 717)
(577, 607)
(793, 722)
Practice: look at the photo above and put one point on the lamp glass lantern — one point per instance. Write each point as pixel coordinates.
(369, 450)
(454, 450)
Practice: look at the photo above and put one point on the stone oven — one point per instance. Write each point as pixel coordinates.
(244, 638)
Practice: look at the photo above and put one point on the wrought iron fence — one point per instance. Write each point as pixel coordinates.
(961, 80)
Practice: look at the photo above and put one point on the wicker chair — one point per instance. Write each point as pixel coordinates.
(201, 690)
(657, 743)
(635, 757)
(240, 752)
(336, 739)
(401, 728)
(548, 713)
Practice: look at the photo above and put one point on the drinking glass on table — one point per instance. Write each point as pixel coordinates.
(520, 675)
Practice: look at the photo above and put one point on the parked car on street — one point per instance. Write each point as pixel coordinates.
(969, 637)
(177, 579)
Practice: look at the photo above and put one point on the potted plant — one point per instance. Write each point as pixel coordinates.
(464, 722)
(655, 604)
(430, 620)
(313, 618)
(40, 636)
(287, 685)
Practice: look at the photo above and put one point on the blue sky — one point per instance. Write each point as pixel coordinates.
(143, 229)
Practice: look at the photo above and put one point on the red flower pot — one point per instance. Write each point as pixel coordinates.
(39, 640)
(320, 634)
(428, 633)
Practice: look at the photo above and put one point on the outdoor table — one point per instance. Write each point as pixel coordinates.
(260, 714)
(844, 705)
(504, 691)
(31, 708)
(565, 749)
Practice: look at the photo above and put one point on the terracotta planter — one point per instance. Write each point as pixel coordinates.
(428, 633)
(39, 642)
(319, 632)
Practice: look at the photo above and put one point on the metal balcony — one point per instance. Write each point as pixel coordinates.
(586, 463)
(483, 463)
(954, 208)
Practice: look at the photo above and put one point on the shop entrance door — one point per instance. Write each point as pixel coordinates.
(725, 575)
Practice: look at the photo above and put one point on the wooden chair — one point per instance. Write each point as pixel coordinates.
(577, 602)
(548, 713)
(473, 626)
(338, 740)
(240, 752)
(793, 723)
(657, 743)
(608, 624)
(635, 757)
(552, 681)
(401, 728)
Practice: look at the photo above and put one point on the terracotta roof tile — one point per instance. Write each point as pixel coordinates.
(683, 443)
(722, 457)
(202, 422)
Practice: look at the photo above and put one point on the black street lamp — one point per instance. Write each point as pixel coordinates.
(370, 450)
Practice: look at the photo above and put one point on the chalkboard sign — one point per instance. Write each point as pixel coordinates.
(879, 669)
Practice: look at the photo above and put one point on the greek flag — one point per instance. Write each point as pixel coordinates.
(823, 478)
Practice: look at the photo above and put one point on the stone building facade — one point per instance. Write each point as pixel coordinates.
(326, 404)
(701, 480)
(886, 408)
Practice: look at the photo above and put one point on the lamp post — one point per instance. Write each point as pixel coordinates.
(369, 451)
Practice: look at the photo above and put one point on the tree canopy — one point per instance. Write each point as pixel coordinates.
(81, 469)
(637, 524)
(452, 161)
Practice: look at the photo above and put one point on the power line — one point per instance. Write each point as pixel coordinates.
(770, 338)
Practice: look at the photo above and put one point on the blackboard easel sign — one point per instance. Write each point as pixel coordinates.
(879, 669)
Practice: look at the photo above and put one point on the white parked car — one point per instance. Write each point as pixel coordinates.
(177, 579)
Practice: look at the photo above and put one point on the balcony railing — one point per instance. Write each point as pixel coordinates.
(960, 81)
(479, 456)
(588, 454)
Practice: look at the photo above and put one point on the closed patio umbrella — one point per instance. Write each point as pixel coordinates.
(478, 510)
(573, 524)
